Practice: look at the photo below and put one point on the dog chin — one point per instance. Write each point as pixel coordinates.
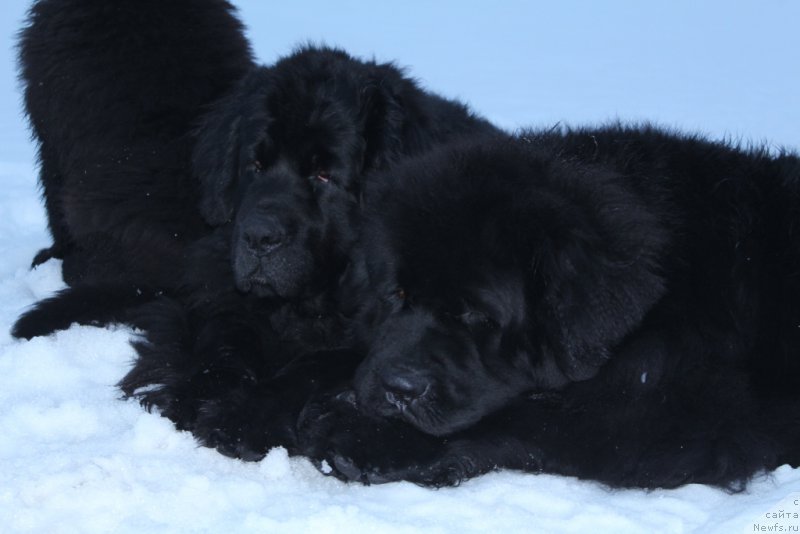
(265, 287)
(256, 287)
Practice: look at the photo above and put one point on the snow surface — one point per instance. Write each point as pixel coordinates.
(76, 458)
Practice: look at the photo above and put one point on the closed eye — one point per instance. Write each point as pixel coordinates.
(397, 298)
(476, 319)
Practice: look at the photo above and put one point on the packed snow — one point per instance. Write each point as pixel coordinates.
(75, 457)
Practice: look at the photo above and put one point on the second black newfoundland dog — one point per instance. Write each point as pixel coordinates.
(618, 304)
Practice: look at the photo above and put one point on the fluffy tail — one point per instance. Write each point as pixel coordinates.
(87, 305)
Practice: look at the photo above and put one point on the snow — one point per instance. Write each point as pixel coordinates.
(74, 457)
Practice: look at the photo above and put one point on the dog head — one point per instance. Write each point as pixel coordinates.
(490, 270)
(281, 158)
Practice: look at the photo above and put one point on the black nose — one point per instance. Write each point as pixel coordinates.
(264, 236)
(404, 387)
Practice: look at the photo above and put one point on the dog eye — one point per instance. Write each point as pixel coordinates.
(323, 176)
(397, 298)
(474, 319)
(398, 294)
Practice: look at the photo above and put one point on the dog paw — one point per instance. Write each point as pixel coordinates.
(233, 444)
(246, 424)
(445, 470)
(353, 447)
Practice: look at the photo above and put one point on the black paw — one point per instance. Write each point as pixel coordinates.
(353, 447)
(242, 422)
(247, 424)
(232, 444)
(169, 401)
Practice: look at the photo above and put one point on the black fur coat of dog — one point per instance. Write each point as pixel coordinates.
(618, 304)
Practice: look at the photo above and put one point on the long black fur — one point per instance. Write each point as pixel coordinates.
(113, 91)
(292, 147)
(281, 158)
(618, 304)
(289, 146)
(285, 156)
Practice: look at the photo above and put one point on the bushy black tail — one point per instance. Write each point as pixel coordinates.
(87, 305)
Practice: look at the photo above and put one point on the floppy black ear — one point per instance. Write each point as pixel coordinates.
(225, 142)
(600, 274)
(383, 103)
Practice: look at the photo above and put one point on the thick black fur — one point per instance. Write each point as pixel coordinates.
(284, 158)
(113, 91)
(281, 161)
(237, 387)
(619, 304)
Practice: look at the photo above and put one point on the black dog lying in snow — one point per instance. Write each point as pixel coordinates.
(617, 304)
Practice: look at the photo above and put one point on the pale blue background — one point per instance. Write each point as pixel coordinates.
(727, 68)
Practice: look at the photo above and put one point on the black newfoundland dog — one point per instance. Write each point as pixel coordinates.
(619, 304)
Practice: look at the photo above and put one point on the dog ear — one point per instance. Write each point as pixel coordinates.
(599, 271)
(382, 116)
(225, 143)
